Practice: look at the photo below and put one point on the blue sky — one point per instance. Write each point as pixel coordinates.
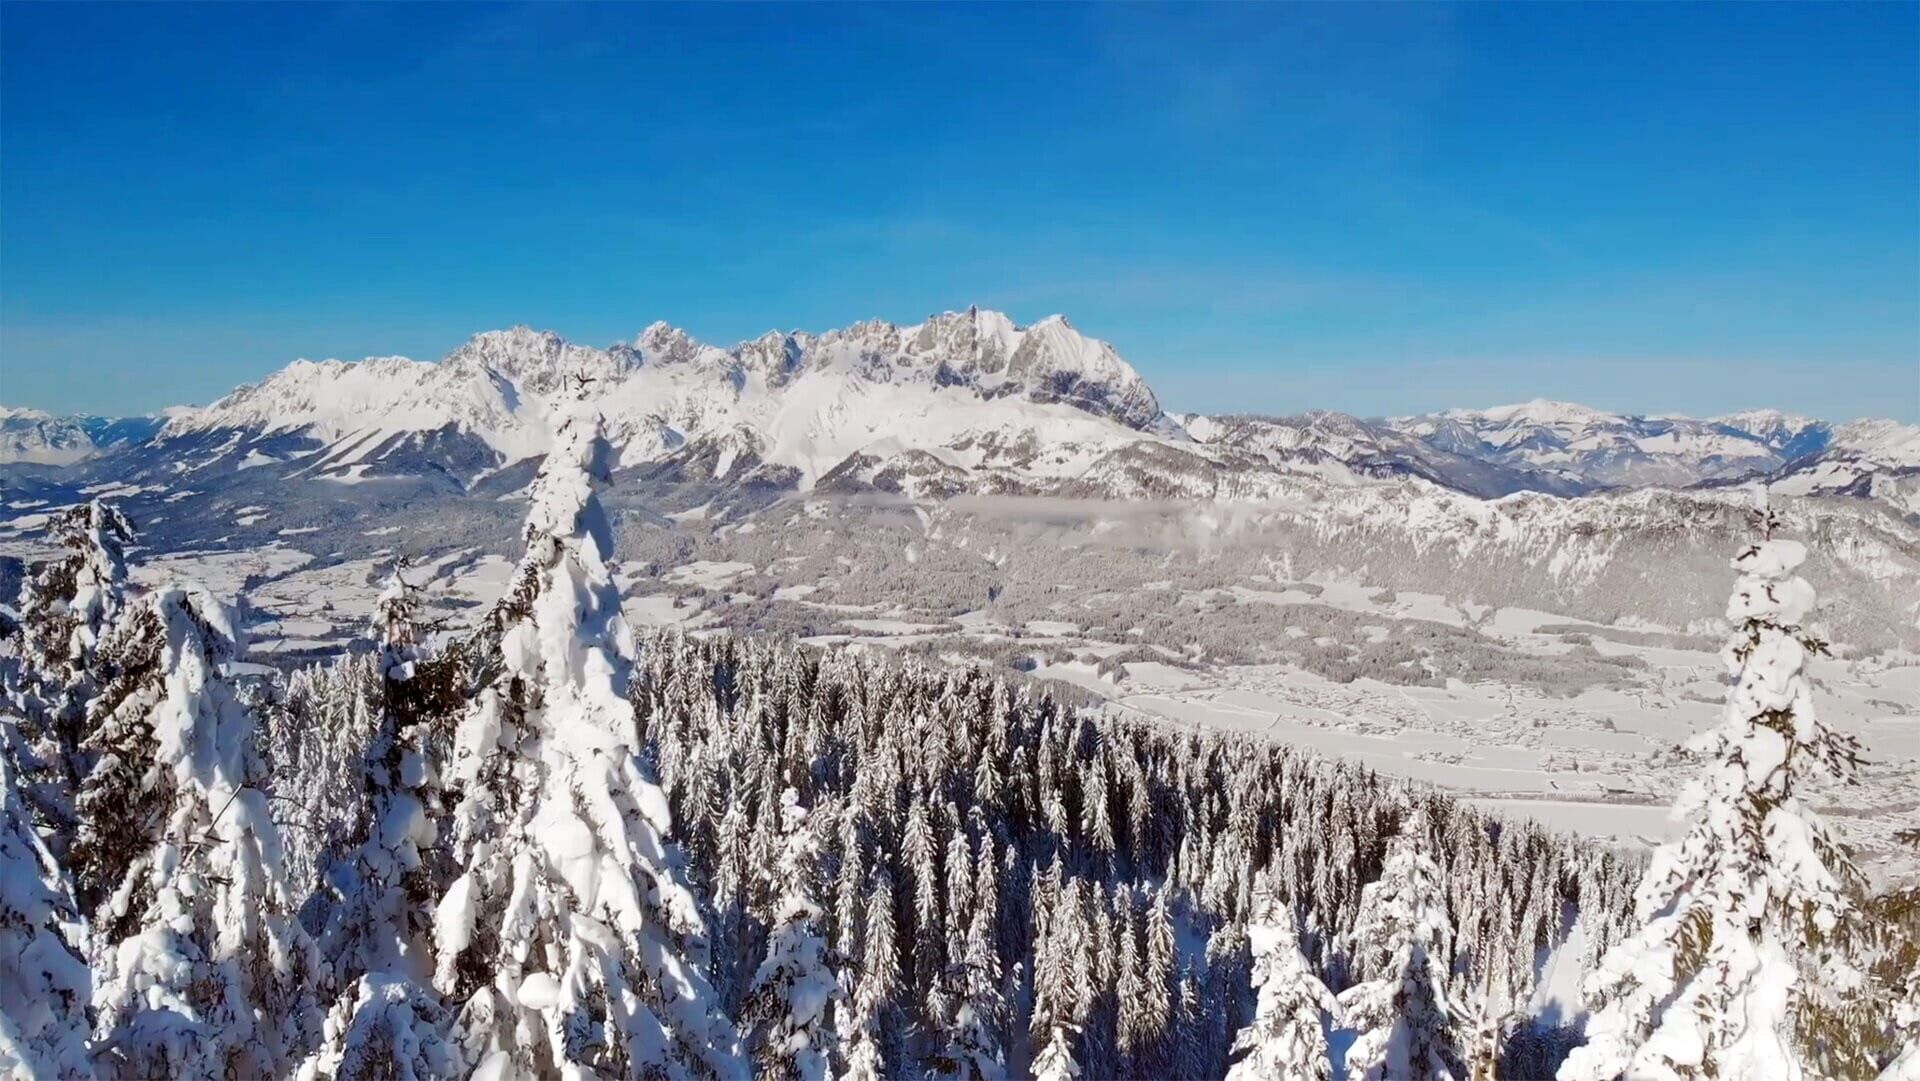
(1379, 209)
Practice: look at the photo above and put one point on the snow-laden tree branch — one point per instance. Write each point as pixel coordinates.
(1740, 968)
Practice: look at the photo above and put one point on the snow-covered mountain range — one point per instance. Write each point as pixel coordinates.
(1543, 506)
(35, 437)
(962, 402)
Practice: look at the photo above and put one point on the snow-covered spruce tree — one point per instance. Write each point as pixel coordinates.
(68, 605)
(1895, 917)
(1287, 1038)
(387, 1026)
(873, 1051)
(1057, 940)
(73, 600)
(45, 987)
(314, 736)
(1224, 1007)
(1400, 943)
(794, 986)
(1906, 1029)
(569, 932)
(1740, 967)
(1162, 979)
(387, 1019)
(1053, 1060)
(200, 968)
(968, 1009)
(1485, 1019)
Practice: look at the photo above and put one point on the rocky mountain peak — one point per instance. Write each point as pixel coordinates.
(663, 343)
(775, 355)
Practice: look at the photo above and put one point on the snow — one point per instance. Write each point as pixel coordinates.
(223, 573)
(707, 573)
(45, 984)
(1631, 825)
(571, 851)
(174, 987)
(663, 609)
(806, 401)
(538, 991)
(1883, 441)
(113, 490)
(888, 626)
(33, 437)
(691, 514)
(1735, 912)
(1616, 449)
(1540, 411)
(1596, 763)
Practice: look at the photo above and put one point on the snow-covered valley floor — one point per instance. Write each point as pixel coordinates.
(1569, 721)
(1600, 763)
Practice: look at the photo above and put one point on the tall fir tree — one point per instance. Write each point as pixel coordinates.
(1057, 941)
(569, 931)
(388, 1020)
(1399, 1007)
(873, 1051)
(1740, 967)
(68, 607)
(1906, 1031)
(795, 985)
(74, 600)
(202, 969)
(1163, 988)
(1287, 1038)
(46, 988)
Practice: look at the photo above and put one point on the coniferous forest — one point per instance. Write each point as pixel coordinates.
(546, 845)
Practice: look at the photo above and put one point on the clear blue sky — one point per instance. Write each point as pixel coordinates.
(1379, 209)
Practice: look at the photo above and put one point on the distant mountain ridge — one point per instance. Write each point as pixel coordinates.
(30, 435)
(961, 402)
(1621, 450)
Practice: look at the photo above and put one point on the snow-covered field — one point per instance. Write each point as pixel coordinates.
(1601, 763)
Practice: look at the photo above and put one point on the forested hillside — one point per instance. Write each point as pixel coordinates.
(543, 845)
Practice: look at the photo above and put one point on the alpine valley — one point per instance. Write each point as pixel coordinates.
(1535, 587)
(1317, 644)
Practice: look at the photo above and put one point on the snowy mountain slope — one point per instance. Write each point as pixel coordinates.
(1342, 445)
(29, 435)
(964, 402)
(1788, 434)
(958, 383)
(1652, 558)
(1616, 450)
(1877, 458)
(1883, 443)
